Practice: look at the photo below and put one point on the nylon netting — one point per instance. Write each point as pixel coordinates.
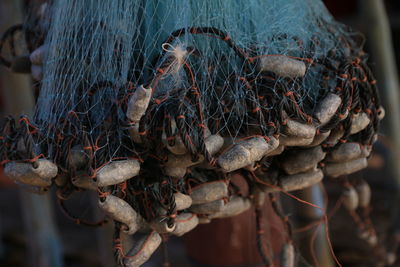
(203, 61)
(200, 59)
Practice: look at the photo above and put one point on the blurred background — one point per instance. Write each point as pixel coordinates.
(34, 231)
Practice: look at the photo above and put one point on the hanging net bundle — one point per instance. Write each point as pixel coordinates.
(148, 101)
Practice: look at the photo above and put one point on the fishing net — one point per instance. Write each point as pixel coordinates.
(174, 84)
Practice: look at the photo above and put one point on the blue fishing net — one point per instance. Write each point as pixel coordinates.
(100, 52)
(210, 67)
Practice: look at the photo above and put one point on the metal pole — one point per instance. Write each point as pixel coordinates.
(306, 215)
(374, 14)
(379, 39)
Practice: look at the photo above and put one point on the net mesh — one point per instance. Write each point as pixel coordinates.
(201, 60)
(212, 68)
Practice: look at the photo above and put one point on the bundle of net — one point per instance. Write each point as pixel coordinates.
(157, 104)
